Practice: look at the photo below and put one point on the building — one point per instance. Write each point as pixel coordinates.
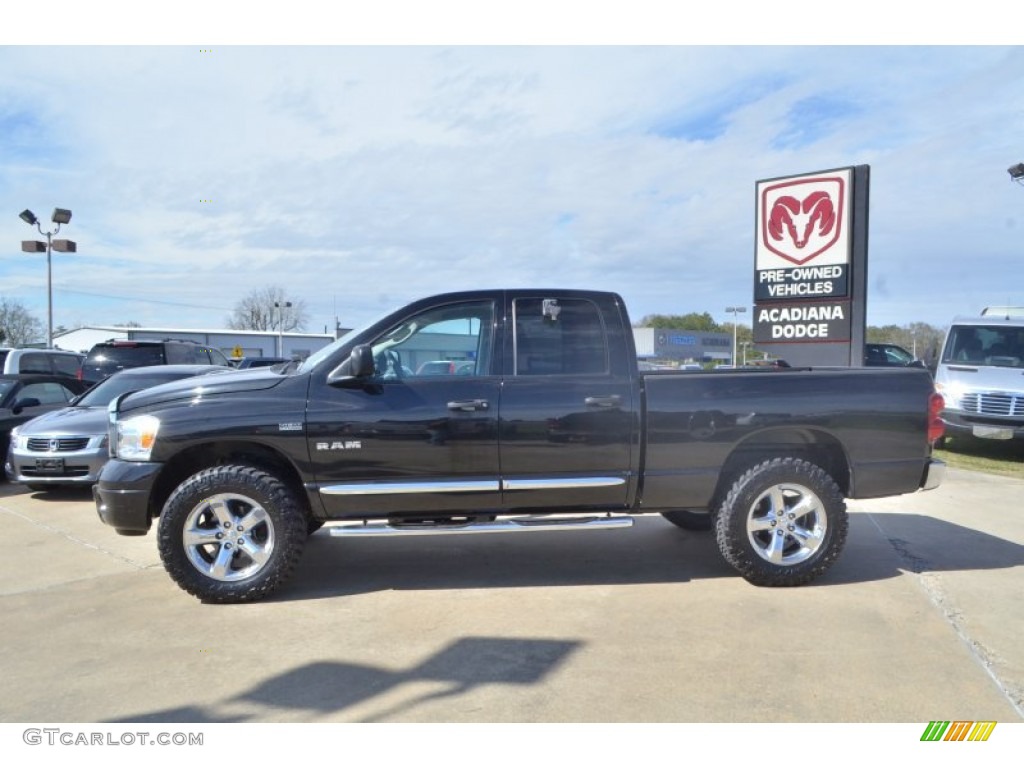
(682, 346)
(234, 344)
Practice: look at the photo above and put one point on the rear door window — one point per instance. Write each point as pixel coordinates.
(184, 354)
(35, 362)
(559, 336)
(66, 365)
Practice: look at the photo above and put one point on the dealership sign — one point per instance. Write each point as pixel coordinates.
(810, 266)
(803, 237)
(805, 322)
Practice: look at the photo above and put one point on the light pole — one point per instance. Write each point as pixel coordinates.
(735, 311)
(60, 216)
(281, 306)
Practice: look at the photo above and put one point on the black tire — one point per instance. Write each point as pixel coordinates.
(689, 520)
(783, 523)
(268, 531)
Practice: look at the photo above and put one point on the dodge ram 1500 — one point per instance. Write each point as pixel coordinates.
(542, 422)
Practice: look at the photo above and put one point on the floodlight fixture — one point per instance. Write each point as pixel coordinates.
(735, 312)
(281, 306)
(1016, 173)
(60, 216)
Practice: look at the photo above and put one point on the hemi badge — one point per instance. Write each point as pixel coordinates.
(290, 426)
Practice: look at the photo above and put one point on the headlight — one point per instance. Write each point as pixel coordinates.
(136, 437)
(17, 441)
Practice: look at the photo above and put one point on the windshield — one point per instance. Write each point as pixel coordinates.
(995, 345)
(108, 389)
(5, 387)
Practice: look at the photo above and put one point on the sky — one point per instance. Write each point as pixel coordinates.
(358, 163)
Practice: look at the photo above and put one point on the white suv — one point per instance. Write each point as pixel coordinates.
(50, 361)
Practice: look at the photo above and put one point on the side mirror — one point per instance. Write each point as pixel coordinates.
(358, 365)
(361, 361)
(28, 402)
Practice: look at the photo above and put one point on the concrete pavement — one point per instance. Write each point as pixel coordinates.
(920, 620)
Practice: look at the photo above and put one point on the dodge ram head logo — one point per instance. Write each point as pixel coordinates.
(802, 219)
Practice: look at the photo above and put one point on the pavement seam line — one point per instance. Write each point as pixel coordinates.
(74, 539)
(936, 595)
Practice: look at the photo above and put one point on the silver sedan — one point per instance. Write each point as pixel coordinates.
(68, 447)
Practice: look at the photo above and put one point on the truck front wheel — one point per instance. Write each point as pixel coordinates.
(783, 523)
(231, 534)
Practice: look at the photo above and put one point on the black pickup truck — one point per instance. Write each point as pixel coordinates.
(541, 421)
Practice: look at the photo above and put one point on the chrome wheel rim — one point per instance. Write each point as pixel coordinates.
(786, 525)
(228, 537)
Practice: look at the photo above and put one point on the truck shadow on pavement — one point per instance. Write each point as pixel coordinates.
(327, 688)
(652, 552)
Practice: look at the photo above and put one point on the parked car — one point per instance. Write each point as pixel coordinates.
(23, 396)
(68, 447)
(61, 362)
(109, 357)
(889, 356)
(981, 375)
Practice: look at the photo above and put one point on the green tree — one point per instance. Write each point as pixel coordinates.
(692, 321)
(17, 324)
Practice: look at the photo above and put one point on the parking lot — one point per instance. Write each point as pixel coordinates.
(920, 620)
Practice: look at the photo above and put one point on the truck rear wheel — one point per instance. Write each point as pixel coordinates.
(783, 523)
(231, 534)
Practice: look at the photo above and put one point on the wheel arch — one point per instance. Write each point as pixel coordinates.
(816, 446)
(204, 455)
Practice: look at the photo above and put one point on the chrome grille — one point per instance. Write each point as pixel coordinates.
(993, 403)
(57, 444)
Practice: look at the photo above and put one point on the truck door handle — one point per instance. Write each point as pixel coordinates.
(613, 401)
(468, 405)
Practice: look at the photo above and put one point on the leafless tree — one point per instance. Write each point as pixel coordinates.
(17, 325)
(257, 311)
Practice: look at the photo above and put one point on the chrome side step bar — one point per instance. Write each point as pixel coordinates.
(512, 525)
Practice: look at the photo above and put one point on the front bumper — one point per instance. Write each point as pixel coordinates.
(80, 468)
(122, 495)
(959, 424)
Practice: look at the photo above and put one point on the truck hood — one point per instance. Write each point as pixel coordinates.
(212, 385)
(960, 378)
(68, 421)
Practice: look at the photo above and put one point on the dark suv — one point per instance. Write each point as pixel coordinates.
(112, 356)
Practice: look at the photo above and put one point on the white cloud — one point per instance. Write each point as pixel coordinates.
(358, 177)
